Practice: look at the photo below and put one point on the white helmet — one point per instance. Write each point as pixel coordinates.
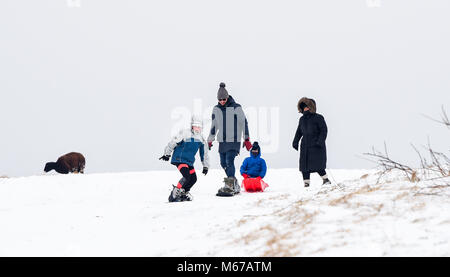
(196, 121)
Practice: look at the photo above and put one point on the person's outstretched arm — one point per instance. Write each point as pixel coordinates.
(204, 154)
(173, 142)
(214, 127)
(241, 116)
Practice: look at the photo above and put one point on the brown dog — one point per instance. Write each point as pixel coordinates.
(69, 163)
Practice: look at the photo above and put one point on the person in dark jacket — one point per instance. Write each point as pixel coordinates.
(183, 148)
(229, 124)
(312, 130)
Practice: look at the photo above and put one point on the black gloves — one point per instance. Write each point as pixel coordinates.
(165, 158)
(295, 145)
(205, 170)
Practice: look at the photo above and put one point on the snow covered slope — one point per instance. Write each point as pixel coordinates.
(127, 214)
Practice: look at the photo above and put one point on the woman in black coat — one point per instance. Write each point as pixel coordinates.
(312, 129)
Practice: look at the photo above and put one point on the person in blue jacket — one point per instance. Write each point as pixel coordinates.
(183, 148)
(254, 166)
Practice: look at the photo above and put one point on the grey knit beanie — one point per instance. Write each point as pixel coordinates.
(222, 93)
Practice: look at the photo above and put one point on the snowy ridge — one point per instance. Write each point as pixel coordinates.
(127, 214)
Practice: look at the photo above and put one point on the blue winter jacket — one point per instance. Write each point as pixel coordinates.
(185, 146)
(254, 166)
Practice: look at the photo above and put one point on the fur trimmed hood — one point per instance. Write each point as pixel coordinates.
(310, 103)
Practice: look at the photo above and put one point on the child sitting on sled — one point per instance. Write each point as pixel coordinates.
(184, 147)
(253, 170)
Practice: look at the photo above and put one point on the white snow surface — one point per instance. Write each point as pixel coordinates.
(127, 214)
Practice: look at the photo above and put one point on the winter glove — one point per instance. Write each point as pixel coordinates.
(205, 170)
(165, 158)
(295, 145)
(210, 145)
(245, 176)
(247, 144)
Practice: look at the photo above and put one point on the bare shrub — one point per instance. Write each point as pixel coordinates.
(435, 166)
(444, 118)
(387, 164)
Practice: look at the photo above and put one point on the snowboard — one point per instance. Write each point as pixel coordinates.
(179, 200)
(225, 194)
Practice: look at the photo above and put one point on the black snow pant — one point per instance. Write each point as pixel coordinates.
(307, 174)
(189, 176)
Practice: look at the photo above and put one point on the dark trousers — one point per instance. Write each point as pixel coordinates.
(307, 174)
(227, 162)
(189, 176)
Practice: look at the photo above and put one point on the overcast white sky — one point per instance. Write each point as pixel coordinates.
(104, 79)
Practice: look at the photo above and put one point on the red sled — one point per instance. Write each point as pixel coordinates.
(254, 185)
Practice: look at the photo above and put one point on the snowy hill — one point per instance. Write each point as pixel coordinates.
(127, 214)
